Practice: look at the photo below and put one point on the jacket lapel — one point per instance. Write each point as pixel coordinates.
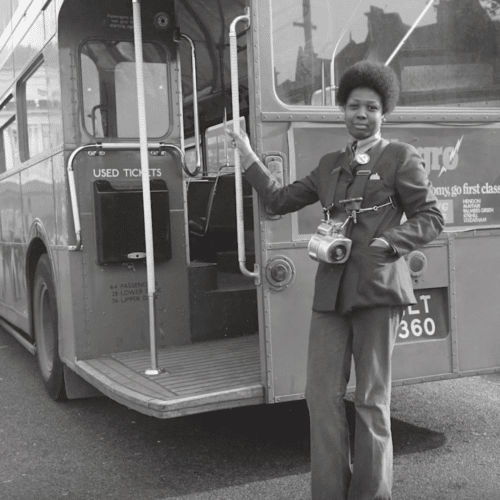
(364, 173)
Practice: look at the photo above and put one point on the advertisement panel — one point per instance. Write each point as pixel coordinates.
(462, 161)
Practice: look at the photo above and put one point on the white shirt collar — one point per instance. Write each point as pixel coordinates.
(365, 144)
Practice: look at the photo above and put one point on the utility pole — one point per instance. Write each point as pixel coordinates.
(308, 45)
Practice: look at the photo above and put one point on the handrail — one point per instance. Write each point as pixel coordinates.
(177, 38)
(233, 51)
(112, 146)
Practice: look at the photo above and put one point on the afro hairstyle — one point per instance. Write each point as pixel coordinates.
(375, 76)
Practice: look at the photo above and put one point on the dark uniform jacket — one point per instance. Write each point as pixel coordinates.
(372, 276)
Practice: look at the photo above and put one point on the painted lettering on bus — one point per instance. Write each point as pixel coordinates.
(130, 292)
(137, 291)
(126, 172)
(130, 299)
(440, 159)
(489, 189)
(420, 326)
(425, 299)
(136, 284)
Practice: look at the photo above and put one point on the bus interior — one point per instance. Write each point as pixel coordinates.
(223, 301)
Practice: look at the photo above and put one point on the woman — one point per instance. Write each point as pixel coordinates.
(358, 305)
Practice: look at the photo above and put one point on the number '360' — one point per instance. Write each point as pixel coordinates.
(417, 328)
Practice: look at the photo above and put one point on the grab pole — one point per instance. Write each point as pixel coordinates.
(146, 191)
(233, 50)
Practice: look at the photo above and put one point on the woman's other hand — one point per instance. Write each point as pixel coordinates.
(242, 143)
(382, 243)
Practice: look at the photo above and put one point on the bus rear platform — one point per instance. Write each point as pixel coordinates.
(199, 377)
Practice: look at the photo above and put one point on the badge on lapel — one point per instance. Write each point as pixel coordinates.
(374, 177)
(362, 158)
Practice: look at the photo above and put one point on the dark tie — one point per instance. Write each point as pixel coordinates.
(353, 151)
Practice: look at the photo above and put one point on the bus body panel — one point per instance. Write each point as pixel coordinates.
(72, 316)
(461, 159)
(476, 271)
(110, 22)
(418, 356)
(13, 237)
(36, 179)
(217, 349)
(116, 293)
(102, 311)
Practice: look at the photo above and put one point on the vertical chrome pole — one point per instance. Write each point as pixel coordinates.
(146, 192)
(233, 52)
(195, 101)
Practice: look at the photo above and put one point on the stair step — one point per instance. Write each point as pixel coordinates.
(227, 261)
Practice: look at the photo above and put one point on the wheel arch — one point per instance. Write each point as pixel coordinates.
(38, 245)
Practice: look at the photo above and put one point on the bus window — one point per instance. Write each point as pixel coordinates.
(9, 150)
(34, 92)
(110, 90)
(207, 22)
(90, 83)
(155, 77)
(444, 53)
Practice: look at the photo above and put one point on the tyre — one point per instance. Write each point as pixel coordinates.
(46, 331)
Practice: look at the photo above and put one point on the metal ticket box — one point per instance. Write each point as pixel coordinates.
(119, 222)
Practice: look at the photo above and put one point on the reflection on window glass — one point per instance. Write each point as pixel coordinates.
(207, 22)
(90, 85)
(110, 89)
(9, 148)
(445, 52)
(37, 117)
(155, 83)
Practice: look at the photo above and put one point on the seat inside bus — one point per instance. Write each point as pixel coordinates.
(212, 216)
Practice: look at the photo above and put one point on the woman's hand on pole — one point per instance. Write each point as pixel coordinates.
(242, 143)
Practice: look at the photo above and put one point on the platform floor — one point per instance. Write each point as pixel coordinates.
(198, 377)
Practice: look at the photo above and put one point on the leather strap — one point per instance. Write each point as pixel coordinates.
(334, 180)
(362, 175)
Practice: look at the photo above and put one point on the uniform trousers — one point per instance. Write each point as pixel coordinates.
(368, 336)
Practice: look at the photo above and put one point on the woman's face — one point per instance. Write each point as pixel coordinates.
(363, 113)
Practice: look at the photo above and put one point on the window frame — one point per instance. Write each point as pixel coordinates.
(81, 117)
(22, 110)
(11, 118)
(274, 108)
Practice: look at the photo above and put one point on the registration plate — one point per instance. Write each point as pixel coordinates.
(427, 319)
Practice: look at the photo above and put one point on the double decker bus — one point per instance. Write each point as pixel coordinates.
(138, 263)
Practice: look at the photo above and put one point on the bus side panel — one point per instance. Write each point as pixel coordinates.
(38, 198)
(424, 345)
(70, 312)
(289, 322)
(418, 354)
(62, 205)
(477, 271)
(13, 305)
(115, 294)
(39, 205)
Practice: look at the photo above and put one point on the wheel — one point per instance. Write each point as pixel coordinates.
(46, 331)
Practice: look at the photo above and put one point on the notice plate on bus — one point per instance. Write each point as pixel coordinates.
(427, 319)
